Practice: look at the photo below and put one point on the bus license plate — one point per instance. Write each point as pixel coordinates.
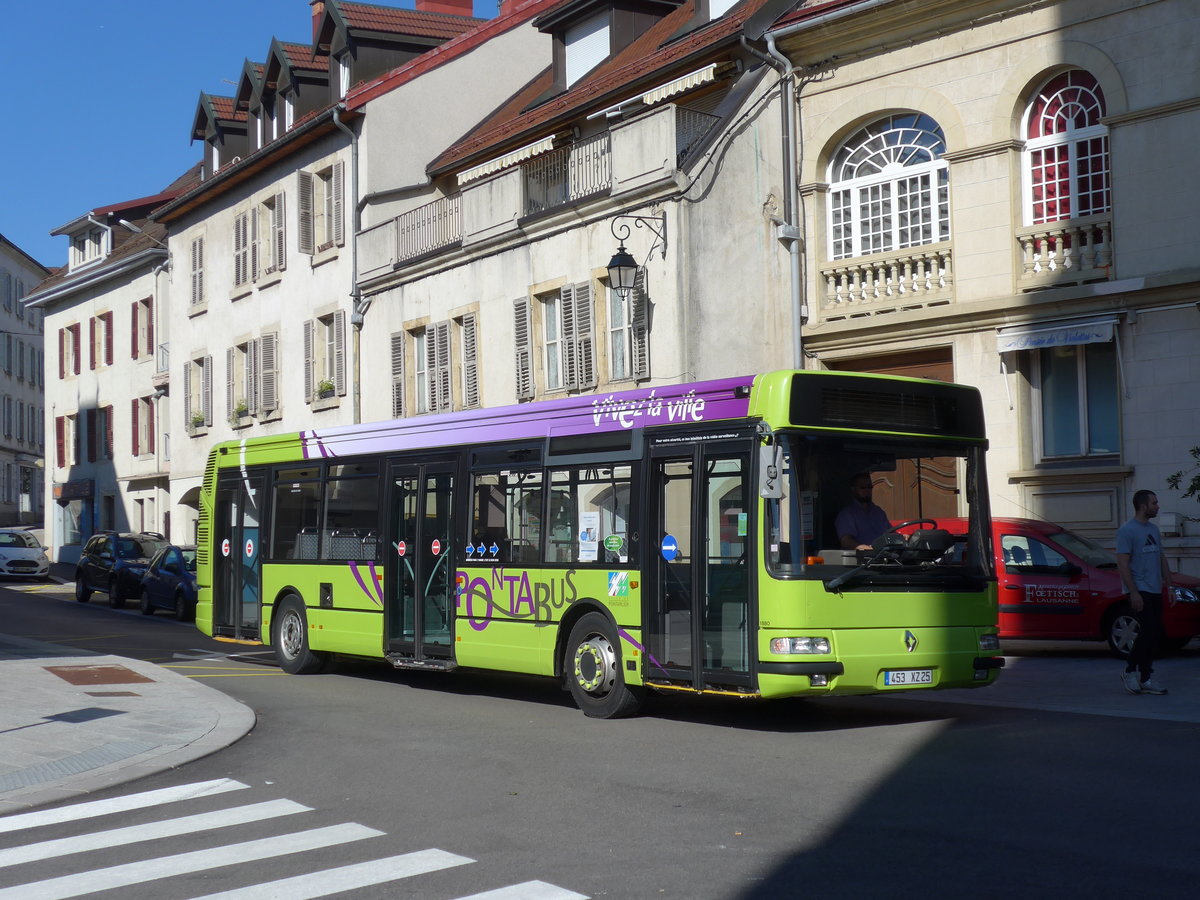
(907, 676)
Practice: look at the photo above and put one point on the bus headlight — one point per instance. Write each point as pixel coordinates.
(800, 645)
(989, 642)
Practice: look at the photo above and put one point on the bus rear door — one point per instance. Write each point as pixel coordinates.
(419, 612)
(700, 615)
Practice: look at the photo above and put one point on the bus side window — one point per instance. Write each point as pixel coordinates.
(508, 515)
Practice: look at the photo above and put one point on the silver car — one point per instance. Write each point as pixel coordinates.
(22, 555)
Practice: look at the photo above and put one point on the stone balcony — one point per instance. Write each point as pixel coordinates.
(915, 278)
(1073, 251)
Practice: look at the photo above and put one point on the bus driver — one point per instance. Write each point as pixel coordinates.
(860, 521)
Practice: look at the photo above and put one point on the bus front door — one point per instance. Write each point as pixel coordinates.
(419, 614)
(237, 563)
(699, 570)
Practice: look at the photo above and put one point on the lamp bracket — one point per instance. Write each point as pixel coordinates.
(656, 225)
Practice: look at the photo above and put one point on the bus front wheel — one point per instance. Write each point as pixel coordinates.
(289, 638)
(593, 670)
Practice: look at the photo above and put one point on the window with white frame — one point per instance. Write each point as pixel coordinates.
(320, 217)
(343, 67)
(101, 340)
(628, 350)
(586, 45)
(431, 368)
(197, 396)
(889, 188)
(1076, 389)
(142, 426)
(197, 270)
(87, 247)
(70, 352)
(270, 236)
(66, 437)
(141, 328)
(251, 378)
(1066, 150)
(325, 356)
(568, 344)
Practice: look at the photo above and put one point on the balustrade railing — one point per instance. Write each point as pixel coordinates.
(428, 228)
(563, 176)
(1068, 252)
(913, 278)
(690, 129)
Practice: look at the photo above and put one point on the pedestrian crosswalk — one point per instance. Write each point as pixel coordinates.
(79, 874)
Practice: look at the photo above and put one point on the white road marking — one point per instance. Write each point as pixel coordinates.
(529, 890)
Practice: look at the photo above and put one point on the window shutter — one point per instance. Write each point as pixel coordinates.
(91, 345)
(470, 365)
(523, 350)
(108, 432)
(585, 355)
(251, 377)
(239, 250)
(268, 361)
(134, 429)
(442, 367)
(62, 353)
(230, 362)
(638, 324)
(197, 271)
(133, 329)
(150, 326)
(206, 390)
(187, 394)
(339, 226)
(77, 351)
(254, 245)
(279, 234)
(305, 214)
(339, 353)
(431, 389)
(150, 426)
(92, 435)
(398, 374)
(566, 304)
(108, 338)
(308, 361)
(60, 440)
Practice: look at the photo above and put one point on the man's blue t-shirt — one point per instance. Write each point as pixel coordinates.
(865, 524)
(1143, 543)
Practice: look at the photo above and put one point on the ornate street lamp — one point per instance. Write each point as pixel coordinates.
(623, 268)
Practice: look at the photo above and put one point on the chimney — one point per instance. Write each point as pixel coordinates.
(318, 12)
(454, 7)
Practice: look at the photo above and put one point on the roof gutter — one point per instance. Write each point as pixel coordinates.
(823, 19)
(94, 277)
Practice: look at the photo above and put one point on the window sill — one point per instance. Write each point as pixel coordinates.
(322, 403)
(242, 290)
(197, 431)
(273, 415)
(269, 280)
(237, 424)
(198, 309)
(1079, 471)
(323, 256)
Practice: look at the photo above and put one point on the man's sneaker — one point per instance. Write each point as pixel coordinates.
(1132, 682)
(1150, 686)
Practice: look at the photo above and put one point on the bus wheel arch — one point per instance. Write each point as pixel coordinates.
(594, 668)
(289, 638)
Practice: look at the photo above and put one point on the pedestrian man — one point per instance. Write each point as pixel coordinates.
(1144, 573)
(860, 521)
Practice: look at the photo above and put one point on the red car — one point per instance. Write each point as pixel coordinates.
(1056, 584)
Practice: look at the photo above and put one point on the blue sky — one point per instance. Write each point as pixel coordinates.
(99, 97)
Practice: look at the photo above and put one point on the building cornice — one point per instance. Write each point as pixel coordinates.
(95, 276)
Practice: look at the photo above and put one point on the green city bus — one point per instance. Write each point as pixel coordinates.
(676, 538)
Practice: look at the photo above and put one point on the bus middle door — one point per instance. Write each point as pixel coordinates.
(237, 568)
(420, 600)
(699, 618)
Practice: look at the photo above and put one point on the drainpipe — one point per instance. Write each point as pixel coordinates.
(359, 308)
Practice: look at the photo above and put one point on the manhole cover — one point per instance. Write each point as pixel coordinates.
(97, 675)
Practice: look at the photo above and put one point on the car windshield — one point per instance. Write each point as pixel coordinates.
(138, 548)
(189, 558)
(1089, 551)
(22, 539)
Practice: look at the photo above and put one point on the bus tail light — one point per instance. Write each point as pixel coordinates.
(805, 645)
(989, 643)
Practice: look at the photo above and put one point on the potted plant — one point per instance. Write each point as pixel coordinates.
(241, 409)
(197, 420)
(325, 388)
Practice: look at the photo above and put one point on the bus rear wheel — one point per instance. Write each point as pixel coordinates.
(593, 669)
(289, 638)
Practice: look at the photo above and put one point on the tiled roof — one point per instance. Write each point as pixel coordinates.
(224, 107)
(651, 57)
(300, 56)
(369, 17)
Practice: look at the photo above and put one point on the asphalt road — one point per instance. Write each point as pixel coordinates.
(878, 796)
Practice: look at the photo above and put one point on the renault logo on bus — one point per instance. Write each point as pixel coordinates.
(910, 641)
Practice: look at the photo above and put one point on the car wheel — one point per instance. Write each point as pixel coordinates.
(183, 611)
(289, 638)
(145, 606)
(1121, 630)
(83, 593)
(116, 597)
(593, 669)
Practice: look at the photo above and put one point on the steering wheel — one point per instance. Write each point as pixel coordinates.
(896, 528)
(892, 541)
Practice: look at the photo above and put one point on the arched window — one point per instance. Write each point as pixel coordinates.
(1066, 150)
(889, 188)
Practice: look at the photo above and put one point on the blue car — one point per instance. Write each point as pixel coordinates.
(170, 582)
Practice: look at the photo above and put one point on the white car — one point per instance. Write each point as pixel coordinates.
(21, 555)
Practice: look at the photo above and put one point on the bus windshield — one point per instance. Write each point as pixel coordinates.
(860, 512)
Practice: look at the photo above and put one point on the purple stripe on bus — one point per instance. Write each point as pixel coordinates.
(358, 577)
(695, 403)
(375, 582)
(650, 656)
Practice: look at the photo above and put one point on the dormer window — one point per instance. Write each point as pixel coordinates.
(289, 112)
(343, 67)
(587, 44)
(88, 247)
(215, 155)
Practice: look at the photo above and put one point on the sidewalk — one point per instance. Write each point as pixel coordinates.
(72, 723)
